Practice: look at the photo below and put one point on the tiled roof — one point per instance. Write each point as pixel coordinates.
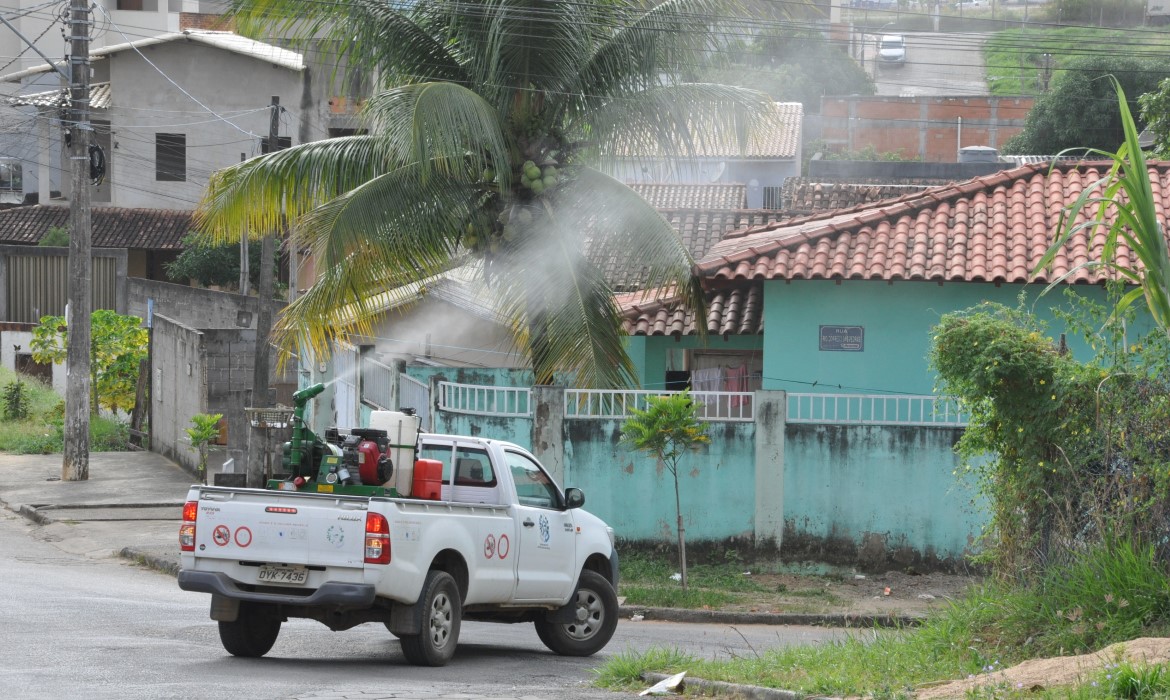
(990, 229)
(699, 230)
(99, 98)
(113, 227)
(699, 196)
(736, 311)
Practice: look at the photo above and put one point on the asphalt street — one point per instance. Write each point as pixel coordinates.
(132, 633)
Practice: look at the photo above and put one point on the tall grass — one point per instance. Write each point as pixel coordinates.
(1114, 592)
(42, 431)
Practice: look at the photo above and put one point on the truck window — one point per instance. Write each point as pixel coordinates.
(533, 486)
(473, 468)
(441, 453)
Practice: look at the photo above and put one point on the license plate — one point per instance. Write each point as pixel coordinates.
(290, 575)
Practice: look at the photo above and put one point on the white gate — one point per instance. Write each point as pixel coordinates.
(414, 394)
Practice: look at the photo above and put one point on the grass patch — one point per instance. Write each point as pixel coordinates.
(646, 580)
(1015, 57)
(42, 432)
(1112, 593)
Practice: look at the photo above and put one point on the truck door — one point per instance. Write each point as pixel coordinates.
(546, 552)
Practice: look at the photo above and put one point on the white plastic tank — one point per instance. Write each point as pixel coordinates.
(402, 432)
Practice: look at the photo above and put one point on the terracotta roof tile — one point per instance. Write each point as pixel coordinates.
(801, 195)
(113, 227)
(736, 311)
(989, 229)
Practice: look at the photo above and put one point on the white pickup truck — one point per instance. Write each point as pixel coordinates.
(501, 543)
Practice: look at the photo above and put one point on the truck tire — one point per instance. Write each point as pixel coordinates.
(253, 632)
(597, 615)
(442, 610)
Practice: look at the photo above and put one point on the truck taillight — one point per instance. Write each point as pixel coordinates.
(377, 539)
(187, 529)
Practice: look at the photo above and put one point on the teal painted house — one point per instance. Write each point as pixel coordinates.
(843, 301)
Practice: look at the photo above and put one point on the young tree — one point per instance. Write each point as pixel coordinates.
(668, 428)
(117, 345)
(204, 428)
(481, 140)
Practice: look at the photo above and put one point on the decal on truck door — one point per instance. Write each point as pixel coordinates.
(545, 531)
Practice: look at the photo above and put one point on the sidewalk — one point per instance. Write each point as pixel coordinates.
(132, 504)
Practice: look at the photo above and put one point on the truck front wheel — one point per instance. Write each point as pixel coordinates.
(253, 632)
(441, 613)
(597, 613)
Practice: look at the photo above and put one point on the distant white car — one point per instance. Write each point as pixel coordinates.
(892, 50)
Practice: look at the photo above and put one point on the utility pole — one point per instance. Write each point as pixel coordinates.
(75, 466)
(260, 365)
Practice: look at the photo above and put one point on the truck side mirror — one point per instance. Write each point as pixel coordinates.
(574, 497)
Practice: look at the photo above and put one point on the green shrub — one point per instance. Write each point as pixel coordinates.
(15, 401)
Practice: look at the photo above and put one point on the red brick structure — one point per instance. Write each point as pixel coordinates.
(924, 127)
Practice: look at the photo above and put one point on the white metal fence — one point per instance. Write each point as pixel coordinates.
(414, 394)
(875, 409)
(485, 400)
(378, 384)
(713, 405)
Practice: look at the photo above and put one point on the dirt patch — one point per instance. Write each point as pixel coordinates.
(891, 593)
(1043, 674)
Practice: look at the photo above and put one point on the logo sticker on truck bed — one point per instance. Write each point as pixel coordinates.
(335, 536)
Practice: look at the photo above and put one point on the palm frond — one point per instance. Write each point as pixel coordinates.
(257, 196)
(391, 232)
(627, 237)
(363, 33)
(679, 121)
(562, 310)
(448, 127)
(664, 39)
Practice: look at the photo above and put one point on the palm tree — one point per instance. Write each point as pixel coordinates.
(483, 133)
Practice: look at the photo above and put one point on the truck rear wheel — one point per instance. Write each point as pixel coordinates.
(597, 614)
(442, 610)
(253, 632)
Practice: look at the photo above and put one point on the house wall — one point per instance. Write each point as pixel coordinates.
(178, 388)
(148, 104)
(34, 281)
(923, 127)
(897, 320)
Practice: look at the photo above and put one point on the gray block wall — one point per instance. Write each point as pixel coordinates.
(178, 388)
(197, 308)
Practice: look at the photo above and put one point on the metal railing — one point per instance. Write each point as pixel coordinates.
(713, 405)
(378, 384)
(875, 409)
(505, 402)
(415, 394)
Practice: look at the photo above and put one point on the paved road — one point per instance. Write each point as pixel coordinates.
(936, 64)
(80, 622)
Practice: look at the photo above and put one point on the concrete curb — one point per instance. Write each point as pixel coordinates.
(166, 566)
(727, 690)
(757, 618)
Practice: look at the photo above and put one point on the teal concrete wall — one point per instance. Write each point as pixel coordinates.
(897, 319)
(877, 494)
(626, 489)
